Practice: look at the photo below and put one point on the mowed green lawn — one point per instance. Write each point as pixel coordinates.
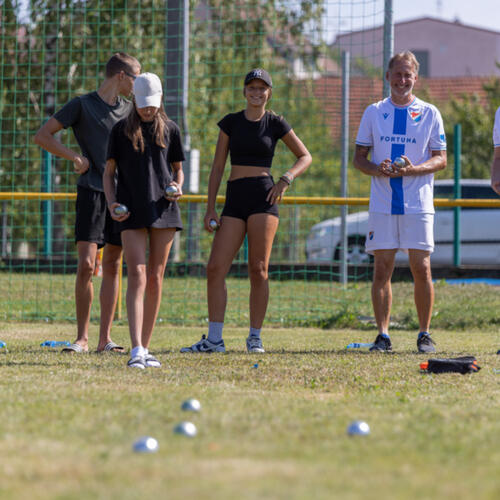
(68, 422)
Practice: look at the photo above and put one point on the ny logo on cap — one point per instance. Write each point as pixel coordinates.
(257, 73)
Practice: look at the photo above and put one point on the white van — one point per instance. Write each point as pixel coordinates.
(480, 231)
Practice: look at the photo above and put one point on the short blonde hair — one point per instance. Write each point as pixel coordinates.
(408, 56)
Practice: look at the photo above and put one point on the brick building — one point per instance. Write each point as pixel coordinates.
(443, 48)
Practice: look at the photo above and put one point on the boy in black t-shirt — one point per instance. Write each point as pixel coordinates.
(92, 116)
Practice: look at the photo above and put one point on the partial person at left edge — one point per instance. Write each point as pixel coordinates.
(495, 166)
(92, 116)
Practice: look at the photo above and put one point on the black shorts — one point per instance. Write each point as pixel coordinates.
(247, 196)
(160, 214)
(93, 220)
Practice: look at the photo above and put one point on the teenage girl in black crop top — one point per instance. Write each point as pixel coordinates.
(250, 137)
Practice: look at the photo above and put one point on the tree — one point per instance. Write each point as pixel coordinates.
(476, 117)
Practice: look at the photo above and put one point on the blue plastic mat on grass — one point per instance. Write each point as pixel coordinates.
(473, 281)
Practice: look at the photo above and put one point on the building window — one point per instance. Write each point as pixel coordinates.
(423, 58)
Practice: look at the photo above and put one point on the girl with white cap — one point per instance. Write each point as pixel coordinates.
(145, 152)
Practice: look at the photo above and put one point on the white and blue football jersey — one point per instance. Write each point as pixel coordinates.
(496, 130)
(391, 131)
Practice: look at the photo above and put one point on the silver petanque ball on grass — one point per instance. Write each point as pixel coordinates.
(399, 162)
(358, 428)
(186, 429)
(213, 225)
(170, 191)
(146, 444)
(120, 210)
(191, 405)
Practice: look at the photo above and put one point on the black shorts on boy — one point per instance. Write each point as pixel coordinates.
(93, 220)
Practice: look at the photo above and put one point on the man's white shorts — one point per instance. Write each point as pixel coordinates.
(404, 232)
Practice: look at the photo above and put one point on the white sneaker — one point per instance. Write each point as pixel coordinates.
(204, 345)
(254, 344)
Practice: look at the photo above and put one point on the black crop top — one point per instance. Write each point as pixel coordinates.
(253, 143)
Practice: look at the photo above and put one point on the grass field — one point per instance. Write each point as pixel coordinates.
(293, 303)
(276, 431)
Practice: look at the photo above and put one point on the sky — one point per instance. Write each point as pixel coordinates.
(478, 13)
(344, 16)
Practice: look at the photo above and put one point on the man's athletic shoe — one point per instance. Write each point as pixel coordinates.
(382, 344)
(254, 344)
(204, 345)
(498, 352)
(137, 362)
(151, 361)
(425, 343)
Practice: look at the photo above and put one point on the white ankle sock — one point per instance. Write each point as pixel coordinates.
(137, 351)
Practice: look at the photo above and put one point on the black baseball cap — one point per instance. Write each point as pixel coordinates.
(261, 74)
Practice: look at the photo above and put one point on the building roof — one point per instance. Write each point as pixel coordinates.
(364, 91)
(398, 24)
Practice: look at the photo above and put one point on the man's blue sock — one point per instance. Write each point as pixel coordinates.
(254, 332)
(215, 331)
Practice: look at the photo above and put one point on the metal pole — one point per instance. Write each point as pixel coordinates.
(192, 157)
(4, 229)
(176, 80)
(457, 194)
(47, 205)
(185, 75)
(388, 42)
(173, 59)
(345, 162)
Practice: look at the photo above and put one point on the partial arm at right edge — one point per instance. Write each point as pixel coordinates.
(495, 170)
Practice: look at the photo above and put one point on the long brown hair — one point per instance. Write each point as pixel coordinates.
(133, 129)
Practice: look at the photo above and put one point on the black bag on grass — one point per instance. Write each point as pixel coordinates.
(464, 364)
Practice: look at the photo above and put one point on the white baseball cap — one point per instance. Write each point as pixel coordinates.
(147, 90)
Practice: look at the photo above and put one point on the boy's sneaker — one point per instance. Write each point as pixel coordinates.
(254, 344)
(151, 361)
(204, 345)
(425, 343)
(382, 344)
(137, 362)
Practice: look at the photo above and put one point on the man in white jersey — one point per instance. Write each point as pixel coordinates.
(401, 212)
(495, 166)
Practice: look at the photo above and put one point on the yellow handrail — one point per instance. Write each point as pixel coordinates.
(288, 200)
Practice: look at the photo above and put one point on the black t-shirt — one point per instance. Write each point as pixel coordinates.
(143, 177)
(253, 143)
(92, 120)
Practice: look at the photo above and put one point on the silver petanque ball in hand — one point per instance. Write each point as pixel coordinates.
(185, 429)
(191, 405)
(120, 210)
(146, 444)
(399, 162)
(170, 191)
(213, 225)
(358, 428)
